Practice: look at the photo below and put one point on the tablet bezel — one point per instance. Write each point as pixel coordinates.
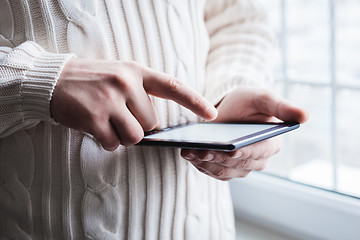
(276, 129)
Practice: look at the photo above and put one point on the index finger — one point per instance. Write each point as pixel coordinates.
(165, 86)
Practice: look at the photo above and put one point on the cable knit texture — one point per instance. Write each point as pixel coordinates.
(58, 183)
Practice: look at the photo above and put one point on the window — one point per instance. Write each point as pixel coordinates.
(311, 189)
(319, 68)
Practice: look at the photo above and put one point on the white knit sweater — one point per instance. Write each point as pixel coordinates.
(58, 183)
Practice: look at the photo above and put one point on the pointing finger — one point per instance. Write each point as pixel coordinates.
(165, 86)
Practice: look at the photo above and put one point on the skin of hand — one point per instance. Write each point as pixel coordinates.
(109, 99)
(246, 104)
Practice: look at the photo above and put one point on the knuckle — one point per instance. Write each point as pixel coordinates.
(243, 174)
(98, 116)
(92, 122)
(125, 77)
(247, 154)
(131, 64)
(275, 150)
(110, 144)
(104, 96)
(114, 78)
(201, 170)
(224, 179)
(222, 159)
(111, 80)
(107, 141)
(203, 155)
(150, 125)
(86, 125)
(174, 83)
(92, 131)
(151, 121)
(96, 131)
(221, 172)
(262, 97)
(243, 164)
(261, 167)
(279, 144)
(121, 82)
(197, 100)
(123, 67)
(132, 138)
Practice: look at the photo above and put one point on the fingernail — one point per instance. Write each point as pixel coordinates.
(238, 154)
(213, 112)
(201, 170)
(189, 156)
(208, 157)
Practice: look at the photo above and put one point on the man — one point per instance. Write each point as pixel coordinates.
(80, 81)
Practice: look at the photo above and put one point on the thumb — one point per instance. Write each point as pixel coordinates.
(283, 109)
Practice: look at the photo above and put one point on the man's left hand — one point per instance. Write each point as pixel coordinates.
(251, 105)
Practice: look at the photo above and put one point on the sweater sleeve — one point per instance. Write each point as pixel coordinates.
(28, 75)
(241, 47)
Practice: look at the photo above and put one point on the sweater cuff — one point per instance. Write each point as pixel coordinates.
(39, 83)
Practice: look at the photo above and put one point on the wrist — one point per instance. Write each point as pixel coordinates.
(39, 82)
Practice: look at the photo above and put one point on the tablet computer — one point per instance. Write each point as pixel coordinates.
(215, 136)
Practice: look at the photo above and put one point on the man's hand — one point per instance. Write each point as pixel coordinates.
(109, 99)
(245, 104)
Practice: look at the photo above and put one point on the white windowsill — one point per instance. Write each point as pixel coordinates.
(295, 209)
(246, 230)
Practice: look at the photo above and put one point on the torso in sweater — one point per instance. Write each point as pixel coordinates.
(58, 183)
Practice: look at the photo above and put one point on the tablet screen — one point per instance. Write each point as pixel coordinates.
(210, 132)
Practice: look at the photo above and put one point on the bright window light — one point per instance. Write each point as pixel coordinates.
(318, 68)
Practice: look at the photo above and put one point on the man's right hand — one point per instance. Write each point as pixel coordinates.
(109, 99)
